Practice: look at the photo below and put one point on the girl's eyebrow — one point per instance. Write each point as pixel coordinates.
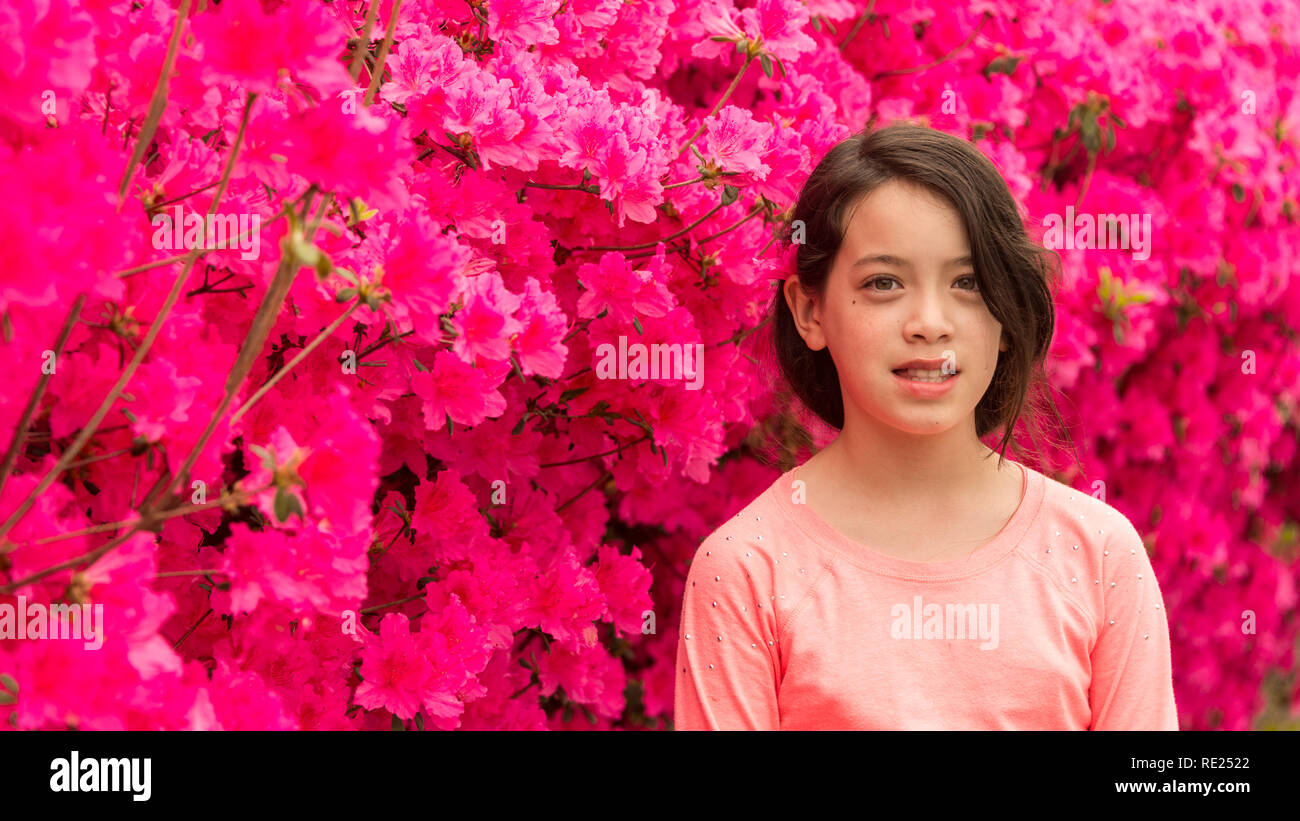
(899, 262)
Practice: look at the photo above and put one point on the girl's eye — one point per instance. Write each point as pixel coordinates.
(974, 285)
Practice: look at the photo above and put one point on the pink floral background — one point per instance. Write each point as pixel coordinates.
(369, 478)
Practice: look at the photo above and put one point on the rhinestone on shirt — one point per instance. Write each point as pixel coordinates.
(1049, 550)
(1112, 621)
(717, 578)
(728, 538)
(710, 666)
(715, 604)
(1074, 578)
(719, 638)
(688, 635)
(1076, 547)
(1146, 635)
(1112, 584)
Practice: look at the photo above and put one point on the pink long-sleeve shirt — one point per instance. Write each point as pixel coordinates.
(1056, 623)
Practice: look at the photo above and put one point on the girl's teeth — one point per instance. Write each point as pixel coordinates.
(925, 375)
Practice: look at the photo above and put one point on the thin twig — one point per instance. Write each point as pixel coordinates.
(945, 58)
(16, 444)
(381, 60)
(311, 346)
(749, 58)
(157, 103)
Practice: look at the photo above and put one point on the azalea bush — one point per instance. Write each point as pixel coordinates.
(307, 311)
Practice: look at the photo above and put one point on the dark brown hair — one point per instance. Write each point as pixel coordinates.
(1016, 275)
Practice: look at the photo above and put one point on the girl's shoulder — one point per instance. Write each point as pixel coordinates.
(1088, 515)
(761, 541)
(1092, 549)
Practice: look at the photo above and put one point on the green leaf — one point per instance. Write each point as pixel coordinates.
(729, 194)
(573, 393)
(1073, 121)
(766, 62)
(268, 461)
(636, 323)
(519, 426)
(281, 505)
(7, 698)
(397, 723)
(9, 683)
(1238, 193)
(1110, 140)
(451, 428)
(1002, 65)
(419, 721)
(1091, 134)
(346, 295)
(286, 504)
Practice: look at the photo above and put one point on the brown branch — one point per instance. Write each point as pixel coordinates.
(158, 103)
(894, 72)
(16, 444)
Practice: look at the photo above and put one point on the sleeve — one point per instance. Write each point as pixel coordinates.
(1132, 677)
(727, 665)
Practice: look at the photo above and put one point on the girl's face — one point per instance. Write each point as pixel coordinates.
(901, 288)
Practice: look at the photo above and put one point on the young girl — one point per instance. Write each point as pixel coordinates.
(900, 578)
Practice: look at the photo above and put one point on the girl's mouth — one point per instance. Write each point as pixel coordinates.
(922, 375)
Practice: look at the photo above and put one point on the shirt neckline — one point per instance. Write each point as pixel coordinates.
(863, 555)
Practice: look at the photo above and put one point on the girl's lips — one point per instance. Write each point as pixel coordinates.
(926, 390)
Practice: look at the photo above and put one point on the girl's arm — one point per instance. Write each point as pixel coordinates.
(1132, 678)
(726, 683)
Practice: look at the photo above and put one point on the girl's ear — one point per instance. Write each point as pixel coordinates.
(806, 312)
